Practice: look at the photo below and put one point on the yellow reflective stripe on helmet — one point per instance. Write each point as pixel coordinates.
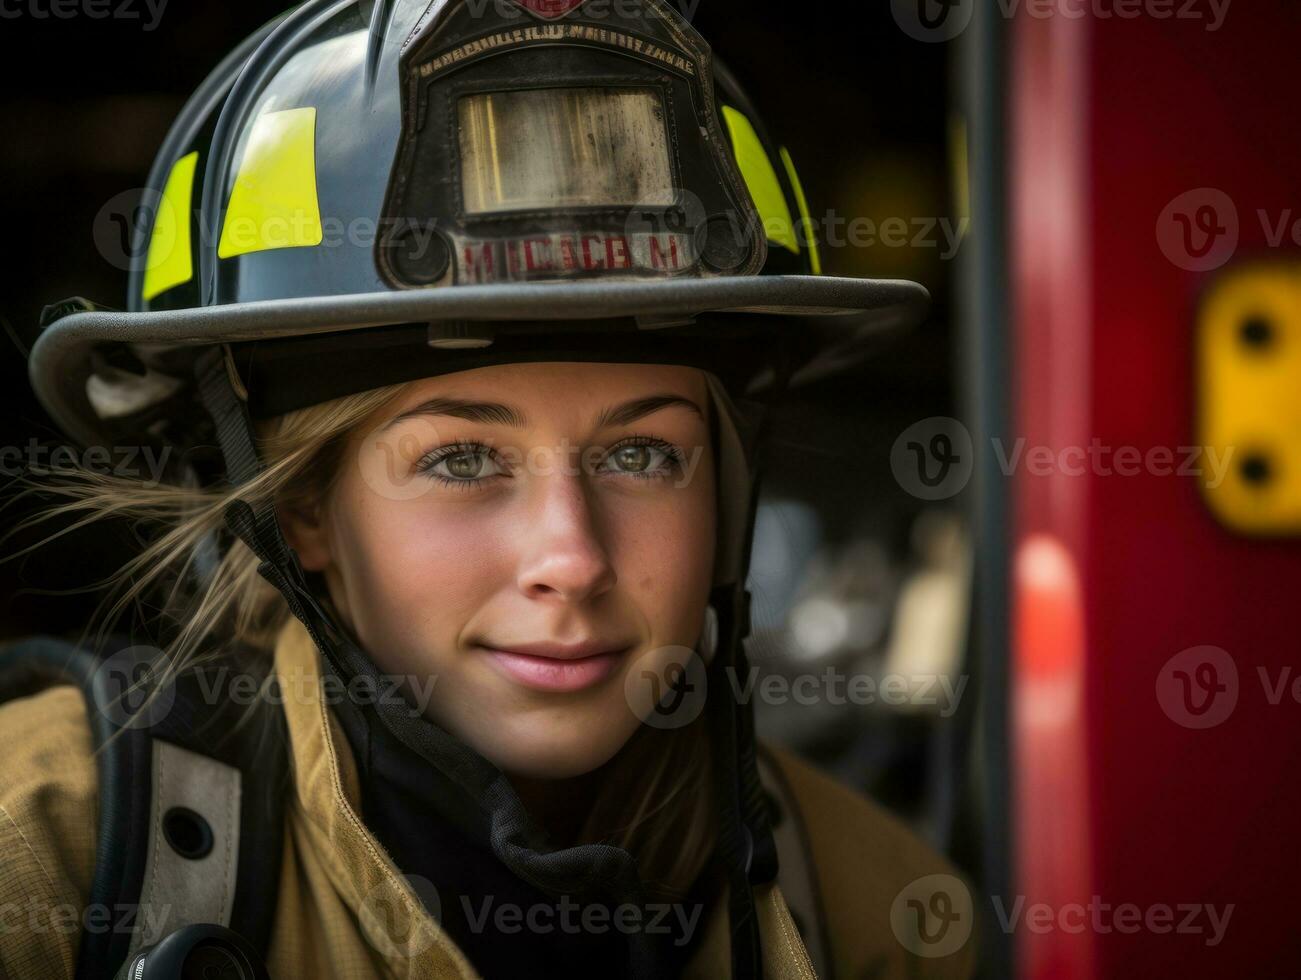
(274, 202)
(761, 177)
(806, 220)
(168, 262)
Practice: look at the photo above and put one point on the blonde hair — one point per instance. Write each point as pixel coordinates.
(655, 798)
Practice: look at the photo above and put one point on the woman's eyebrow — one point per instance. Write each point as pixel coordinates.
(490, 413)
(631, 411)
(495, 413)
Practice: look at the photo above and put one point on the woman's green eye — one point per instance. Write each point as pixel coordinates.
(633, 459)
(465, 466)
(644, 460)
(460, 466)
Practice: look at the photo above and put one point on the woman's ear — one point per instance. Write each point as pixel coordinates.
(304, 530)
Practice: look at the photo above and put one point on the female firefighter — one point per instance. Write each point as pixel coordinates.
(460, 323)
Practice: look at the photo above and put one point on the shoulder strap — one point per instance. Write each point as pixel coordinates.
(797, 875)
(190, 803)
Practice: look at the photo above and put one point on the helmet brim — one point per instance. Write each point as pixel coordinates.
(840, 314)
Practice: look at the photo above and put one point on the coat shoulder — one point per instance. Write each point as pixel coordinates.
(863, 860)
(47, 830)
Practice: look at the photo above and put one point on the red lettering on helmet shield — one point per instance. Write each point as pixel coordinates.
(549, 8)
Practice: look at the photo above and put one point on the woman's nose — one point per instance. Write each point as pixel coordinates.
(565, 556)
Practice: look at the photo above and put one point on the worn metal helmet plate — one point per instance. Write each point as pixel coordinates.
(547, 147)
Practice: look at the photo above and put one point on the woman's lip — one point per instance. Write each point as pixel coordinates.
(562, 651)
(553, 673)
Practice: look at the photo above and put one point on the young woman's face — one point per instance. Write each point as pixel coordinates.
(525, 538)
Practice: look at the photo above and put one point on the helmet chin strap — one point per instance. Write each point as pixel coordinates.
(707, 645)
(745, 842)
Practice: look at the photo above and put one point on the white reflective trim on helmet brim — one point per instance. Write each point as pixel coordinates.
(845, 310)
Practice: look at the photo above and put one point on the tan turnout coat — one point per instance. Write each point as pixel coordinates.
(862, 859)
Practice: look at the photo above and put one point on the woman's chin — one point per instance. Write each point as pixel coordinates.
(544, 750)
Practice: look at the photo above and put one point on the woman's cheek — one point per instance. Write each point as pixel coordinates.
(675, 564)
(415, 576)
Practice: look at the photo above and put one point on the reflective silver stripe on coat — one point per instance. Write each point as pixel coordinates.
(179, 891)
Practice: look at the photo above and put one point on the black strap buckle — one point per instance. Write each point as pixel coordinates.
(69, 306)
